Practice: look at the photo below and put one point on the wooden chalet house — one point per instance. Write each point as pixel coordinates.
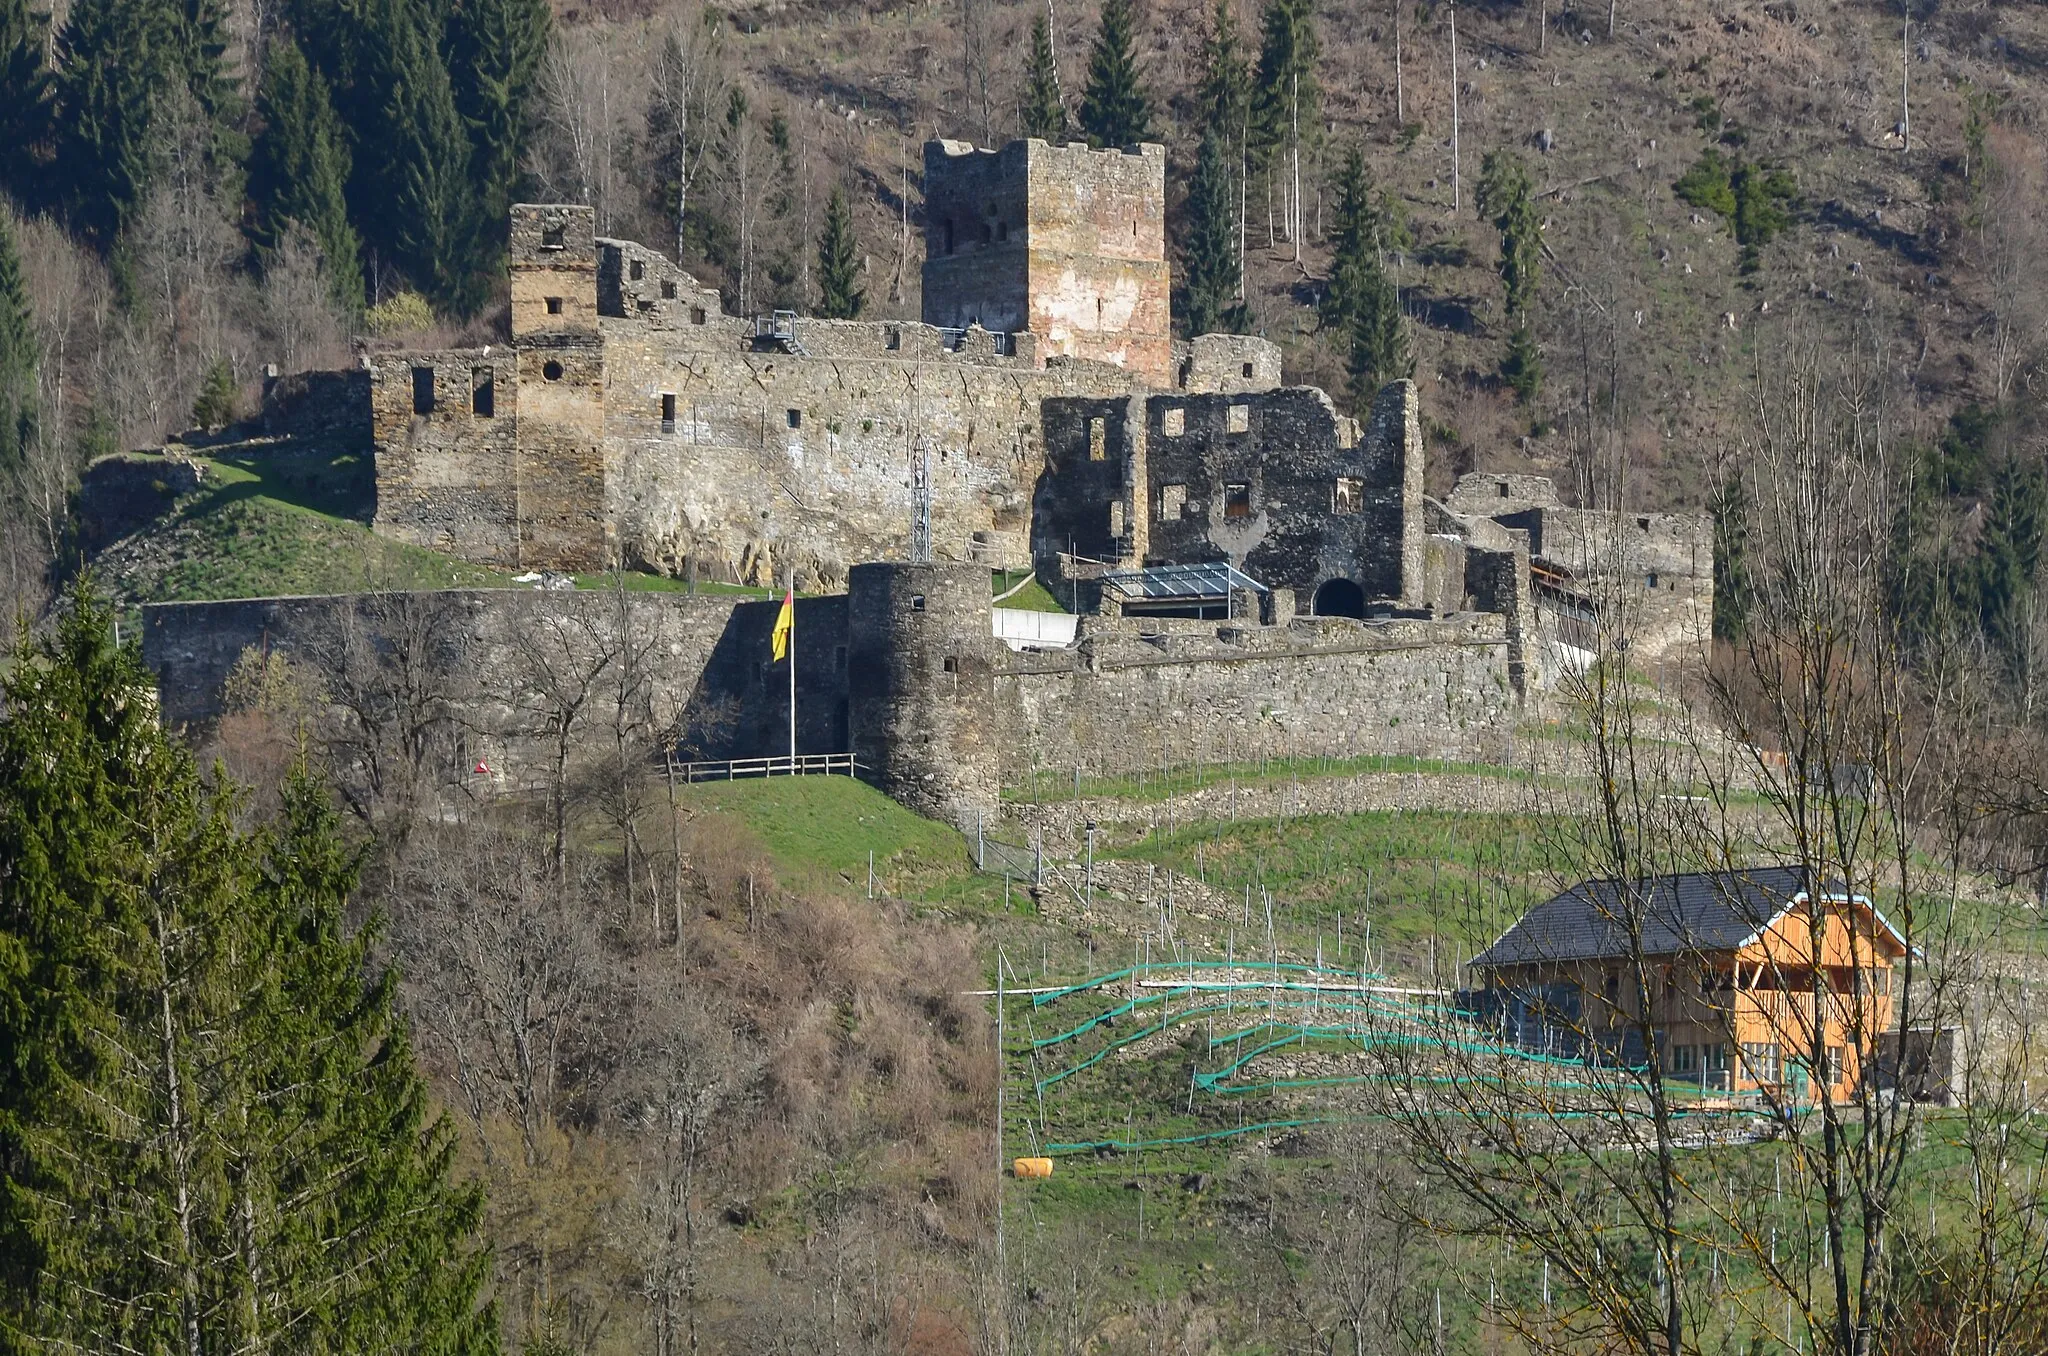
(1734, 959)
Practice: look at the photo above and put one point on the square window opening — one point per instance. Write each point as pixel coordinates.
(423, 390)
(554, 305)
(952, 664)
(1240, 419)
(668, 289)
(794, 418)
(1643, 523)
(1348, 496)
(1098, 439)
(1173, 501)
(1174, 422)
(1237, 501)
(483, 393)
(696, 315)
(917, 602)
(645, 303)
(552, 237)
(1247, 369)
(637, 269)
(1501, 490)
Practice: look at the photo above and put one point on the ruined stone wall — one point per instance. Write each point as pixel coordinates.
(318, 405)
(1273, 481)
(1134, 690)
(447, 474)
(976, 225)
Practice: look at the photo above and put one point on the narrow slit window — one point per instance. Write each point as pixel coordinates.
(1247, 369)
(668, 289)
(1349, 495)
(1237, 501)
(668, 413)
(949, 236)
(1098, 439)
(483, 393)
(423, 390)
(794, 418)
(637, 269)
(1173, 502)
(1116, 517)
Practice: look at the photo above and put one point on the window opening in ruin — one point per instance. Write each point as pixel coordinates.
(794, 418)
(1650, 580)
(1349, 496)
(892, 338)
(551, 369)
(551, 237)
(1116, 517)
(423, 390)
(1173, 501)
(1502, 489)
(1002, 230)
(1173, 423)
(696, 315)
(1098, 440)
(1187, 369)
(668, 289)
(1240, 419)
(1098, 313)
(917, 602)
(668, 413)
(483, 393)
(554, 305)
(1643, 523)
(1247, 369)
(1338, 598)
(1237, 501)
(952, 664)
(949, 236)
(645, 304)
(638, 270)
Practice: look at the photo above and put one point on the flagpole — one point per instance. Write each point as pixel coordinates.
(792, 681)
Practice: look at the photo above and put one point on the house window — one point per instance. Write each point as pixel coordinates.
(554, 305)
(1685, 1059)
(551, 237)
(423, 390)
(1173, 502)
(668, 413)
(483, 393)
(1237, 501)
(1098, 439)
(696, 315)
(1760, 1061)
(637, 269)
(1836, 1066)
(1349, 496)
(1240, 419)
(1174, 422)
(551, 370)
(794, 418)
(917, 602)
(668, 289)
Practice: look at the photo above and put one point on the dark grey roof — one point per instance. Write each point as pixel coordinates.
(1700, 910)
(1206, 579)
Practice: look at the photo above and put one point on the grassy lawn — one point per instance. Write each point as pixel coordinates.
(823, 828)
(1052, 784)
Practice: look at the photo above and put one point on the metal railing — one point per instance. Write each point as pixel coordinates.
(803, 765)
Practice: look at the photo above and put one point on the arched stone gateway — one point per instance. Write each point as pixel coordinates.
(1339, 598)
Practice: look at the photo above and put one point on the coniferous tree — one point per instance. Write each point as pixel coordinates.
(840, 295)
(215, 406)
(115, 58)
(299, 168)
(1115, 109)
(1379, 340)
(214, 1133)
(1354, 244)
(1044, 114)
(24, 102)
(1224, 95)
(1284, 99)
(495, 48)
(199, 30)
(1209, 263)
(429, 201)
(1362, 304)
(20, 356)
(1504, 199)
(2009, 550)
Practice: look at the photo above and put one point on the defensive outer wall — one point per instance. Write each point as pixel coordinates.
(903, 669)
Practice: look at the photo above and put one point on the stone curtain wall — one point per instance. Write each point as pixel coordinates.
(1138, 693)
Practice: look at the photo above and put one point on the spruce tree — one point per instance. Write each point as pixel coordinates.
(115, 57)
(215, 406)
(24, 102)
(1504, 199)
(2009, 551)
(299, 169)
(1115, 109)
(840, 295)
(1362, 304)
(1354, 244)
(495, 48)
(1224, 95)
(1209, 262)
(1044, 115)
(214, 1133)
(1284, 92)
(1379, 340)
(429, 203)
(20, 355)
(199, 34)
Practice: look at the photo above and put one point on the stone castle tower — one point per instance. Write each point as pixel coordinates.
(1066, 242)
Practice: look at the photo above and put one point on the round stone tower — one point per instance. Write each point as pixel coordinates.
(920, 661)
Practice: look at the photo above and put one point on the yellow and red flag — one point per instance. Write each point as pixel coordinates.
(785, 622)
